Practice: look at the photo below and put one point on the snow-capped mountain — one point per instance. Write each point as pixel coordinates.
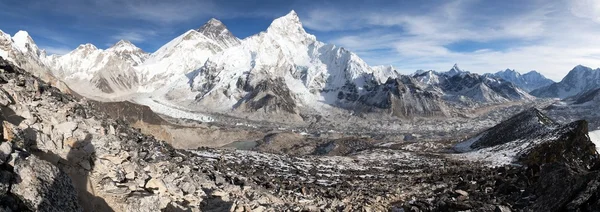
(283, 56)
(108, 71)
(455, 70)
(383, 73)
(529, 81)
(22, 50)
(462, 86)
(125, 69)
(579, 79)
(186, 53)
(404, 96)
(280, 71)
(129, 52)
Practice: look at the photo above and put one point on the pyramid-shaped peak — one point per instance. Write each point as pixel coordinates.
(455, 71)
(214, 22)
(292, 15)
(124, 46)
(289, 21)
(212, 25)
(123, 42)
(215, 29)
(455, 66)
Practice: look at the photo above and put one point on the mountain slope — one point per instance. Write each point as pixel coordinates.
(22, 50)
(530, 81)
(578, 80)
(465, 87)
(108, 71)
(307, 67)
(184, 54)
(532, 138)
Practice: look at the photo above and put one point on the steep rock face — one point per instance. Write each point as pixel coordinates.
(529, 81)
(482, 89)
(533, 139)
(578, 80)
(585, 97)
(270, 96)
(455, 70)
(529, 124)
(561, 165)
(572, 147)
(404, 97)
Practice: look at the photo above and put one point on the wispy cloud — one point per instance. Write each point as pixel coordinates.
(537, 35)
(138, 36)
(61, 50)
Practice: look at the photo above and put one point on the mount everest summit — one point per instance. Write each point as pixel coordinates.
(282, 70)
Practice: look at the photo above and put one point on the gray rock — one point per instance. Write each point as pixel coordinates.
(41, 186)
(5, 150)
(5, 98)
(66, 127)
(502, 208)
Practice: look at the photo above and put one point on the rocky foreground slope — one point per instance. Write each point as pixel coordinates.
(60, 154)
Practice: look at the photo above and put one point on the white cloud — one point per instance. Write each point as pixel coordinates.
(138, 36)
(543, 37)
(59, 50)
(586, 9)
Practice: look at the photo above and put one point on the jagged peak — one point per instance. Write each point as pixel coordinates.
(215, 29)
(291, 21)
(124, 46)
(211, 24)
(455, 70)
(455, 66)
(87, 46)
(510, 71)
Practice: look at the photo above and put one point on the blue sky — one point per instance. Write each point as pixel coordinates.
(480, 35)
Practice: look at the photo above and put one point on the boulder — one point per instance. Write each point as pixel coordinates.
(41, 186)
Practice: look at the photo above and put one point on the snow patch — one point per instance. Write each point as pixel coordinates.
(171, 110)
(465, 146)
(595, 138)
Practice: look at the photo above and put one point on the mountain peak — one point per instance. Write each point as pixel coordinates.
(215, 29)
(455, 71)
(22, 34)
(23, 40)
(290, 22)
(581, 68)
(509, 73)
(124, 46)
(87, 46)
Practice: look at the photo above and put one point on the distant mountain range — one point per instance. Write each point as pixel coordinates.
(281, 72)
(579, 79)
(529, 81)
